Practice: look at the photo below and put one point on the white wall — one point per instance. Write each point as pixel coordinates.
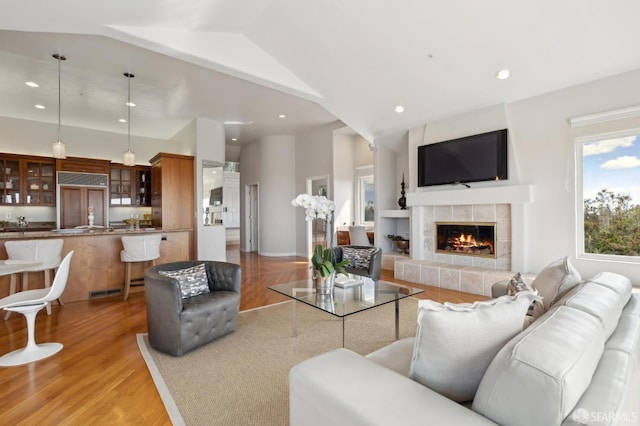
(313, 157)
(541, 153)
(343, 160)
(206, 141)
(232, 153)
(277, 189)
(270, 163)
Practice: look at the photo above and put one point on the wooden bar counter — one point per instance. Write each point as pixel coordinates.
(96, 269)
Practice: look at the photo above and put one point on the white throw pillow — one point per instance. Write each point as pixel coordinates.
(193, 281)
(455, 343)
(555, 280)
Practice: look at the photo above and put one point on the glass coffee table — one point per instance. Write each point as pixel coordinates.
(358, 294)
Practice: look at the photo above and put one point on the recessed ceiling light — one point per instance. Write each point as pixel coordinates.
(122, 120)
(281, 116)
(237, 122)
(40, 106)
(32, 84)
(234, 139)
(130, 104)
(503, 74)
(399, 109)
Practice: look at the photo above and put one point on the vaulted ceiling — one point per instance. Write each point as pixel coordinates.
(315, 61)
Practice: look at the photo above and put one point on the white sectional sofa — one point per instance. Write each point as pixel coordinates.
(579, 363)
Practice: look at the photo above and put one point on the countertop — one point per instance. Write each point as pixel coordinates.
(81, 232)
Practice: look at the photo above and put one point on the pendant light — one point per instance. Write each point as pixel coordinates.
(59, 148)
(129, 156)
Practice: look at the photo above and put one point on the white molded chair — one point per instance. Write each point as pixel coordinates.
(358, 236)
(48, 251)
(29, 303)
(138, 248)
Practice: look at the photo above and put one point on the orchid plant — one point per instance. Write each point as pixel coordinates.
(318, 207)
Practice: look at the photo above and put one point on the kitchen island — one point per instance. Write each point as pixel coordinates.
(96, 269)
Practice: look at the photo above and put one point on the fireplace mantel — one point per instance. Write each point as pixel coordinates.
(507, 194)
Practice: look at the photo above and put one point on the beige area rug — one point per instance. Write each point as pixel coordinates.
(242, 378)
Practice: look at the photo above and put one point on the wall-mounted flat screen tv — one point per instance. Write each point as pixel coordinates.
(474, 158)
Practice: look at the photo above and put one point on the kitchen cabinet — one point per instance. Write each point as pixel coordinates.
(172, 191)
(75, 202)
(83, 165)
(129, 185)
(27, 180)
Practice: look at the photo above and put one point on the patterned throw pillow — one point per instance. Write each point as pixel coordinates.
(193, 281)
(358, 258)
(516, 285)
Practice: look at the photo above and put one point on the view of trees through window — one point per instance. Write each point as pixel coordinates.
(611, 196)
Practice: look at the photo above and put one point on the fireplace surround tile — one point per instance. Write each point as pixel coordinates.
(412, 272)
(462, 260)
(462, 213)
(450, 278)
(472, 280)
(443, 213)
(430, 275)
(484, 213)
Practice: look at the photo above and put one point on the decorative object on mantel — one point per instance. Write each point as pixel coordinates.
(319, 208)
(402, 202)
(129, 156)
(401, 244)
(59, 149)
(91, 216)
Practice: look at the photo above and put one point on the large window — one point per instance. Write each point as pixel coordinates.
(611, 196)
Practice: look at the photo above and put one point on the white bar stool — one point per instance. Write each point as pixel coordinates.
(48, 252)
(138, 248)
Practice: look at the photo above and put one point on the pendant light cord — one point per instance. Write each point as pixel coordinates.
(129, 77)
(129, 111)
(59, 57)
(59, 101)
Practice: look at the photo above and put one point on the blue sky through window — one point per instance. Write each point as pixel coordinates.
(612, 164)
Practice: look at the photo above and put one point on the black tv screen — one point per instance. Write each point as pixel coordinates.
(470, 159)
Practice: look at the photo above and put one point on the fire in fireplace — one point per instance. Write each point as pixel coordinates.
(466, 238)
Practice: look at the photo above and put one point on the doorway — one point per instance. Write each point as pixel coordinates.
(252, 222)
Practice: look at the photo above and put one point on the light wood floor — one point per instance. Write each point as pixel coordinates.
(100, 377)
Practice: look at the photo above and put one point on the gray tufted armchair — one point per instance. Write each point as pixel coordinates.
(363, 260)
(176, 325)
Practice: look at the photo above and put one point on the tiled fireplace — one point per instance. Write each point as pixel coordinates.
(471, 235)
(466, 266)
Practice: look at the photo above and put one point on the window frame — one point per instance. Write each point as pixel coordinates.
(579, 196)
(363, 180)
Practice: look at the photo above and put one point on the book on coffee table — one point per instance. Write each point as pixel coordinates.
(347, 282)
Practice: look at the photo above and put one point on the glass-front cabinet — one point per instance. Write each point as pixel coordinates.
(27, 180)
(120, 186)
(10, 181)
(130, 186)
(40, 185)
